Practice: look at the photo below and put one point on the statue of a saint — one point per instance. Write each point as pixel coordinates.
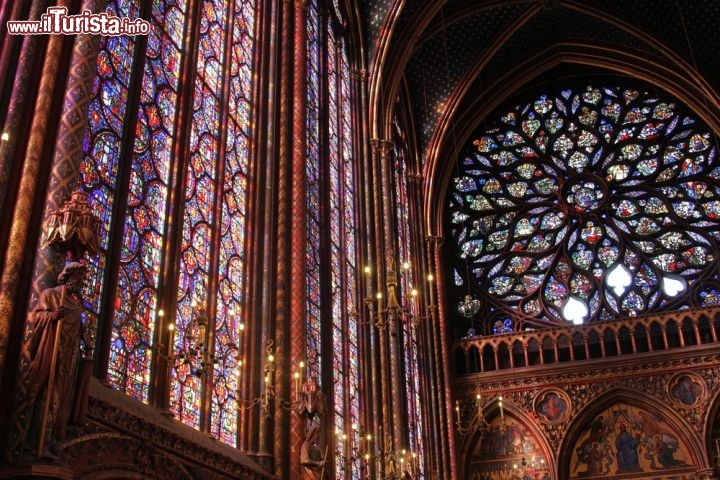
(53, 347)
(311, 458)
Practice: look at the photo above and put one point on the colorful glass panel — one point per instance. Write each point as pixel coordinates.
(230, 312)
(408, 284)
(199, 207)
(134, 317)
(347, 163)
(313, 333)
(587, 204)
(102, 148)
(144, 223)
(336, 261)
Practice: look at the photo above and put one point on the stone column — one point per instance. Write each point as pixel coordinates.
(16, 115)
(68, 154)
(298, 267)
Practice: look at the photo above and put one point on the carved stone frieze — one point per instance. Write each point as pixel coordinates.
(548, 377)
(686, 384)
(123, 437)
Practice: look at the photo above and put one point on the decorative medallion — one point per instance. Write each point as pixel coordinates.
(552, 406)
(686, 390)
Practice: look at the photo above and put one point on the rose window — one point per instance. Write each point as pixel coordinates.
(583, 205)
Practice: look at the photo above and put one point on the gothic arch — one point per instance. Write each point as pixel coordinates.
(104, 456)
(608, 414)
(712, 429)
(467, 107)
(517, 432)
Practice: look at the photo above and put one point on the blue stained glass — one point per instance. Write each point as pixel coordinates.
(313, 190)
(611, 190)
(144, 222)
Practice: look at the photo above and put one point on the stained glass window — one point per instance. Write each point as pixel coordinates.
(313, 191)
(342, 259)
(331, 188)
(583, 204)
(209, 231)
(230, 309)
(144, 216)
(198, 217)
(99, 168)
(408, 284)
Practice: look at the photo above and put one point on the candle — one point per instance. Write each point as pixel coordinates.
(269, 369)
(241, 329)
(297, 384)
(502, 414)
(457, 409)
(171, 334)
(367, 271)
(431, 288)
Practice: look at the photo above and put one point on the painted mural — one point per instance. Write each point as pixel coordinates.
(686, 389)
(552, 406)
(509, 451)
(625, 441)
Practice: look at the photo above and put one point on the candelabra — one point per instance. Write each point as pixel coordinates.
(308, 400)
(197, 355)
(393, 310)
(526, 469)
(470, 418)
(399, 465)
(404, 309)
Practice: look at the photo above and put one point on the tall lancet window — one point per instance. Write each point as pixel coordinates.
(586, 204)
(331, 189)
(409, 292)
(343, 259)
(314, 188)
(172, 201)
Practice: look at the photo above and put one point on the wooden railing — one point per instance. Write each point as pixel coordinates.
(650, 333)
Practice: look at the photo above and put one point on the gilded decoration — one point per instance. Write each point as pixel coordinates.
(632, 442)
(509, 450)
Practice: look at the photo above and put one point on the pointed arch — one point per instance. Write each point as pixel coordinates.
(693, 92)
(647, 419)
(510, 441)
(712, 435)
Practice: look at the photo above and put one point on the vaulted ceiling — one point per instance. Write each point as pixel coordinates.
(461, 54)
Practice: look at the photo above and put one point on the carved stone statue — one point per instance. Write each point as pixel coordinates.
(311, 458)
(53, 347)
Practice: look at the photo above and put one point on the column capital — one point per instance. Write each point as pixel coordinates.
(415, 177)
(381, 145)
(434, 240)
(359, 73)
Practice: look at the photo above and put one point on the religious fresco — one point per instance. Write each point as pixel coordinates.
(552, 406)
(509, 451)
(686, 389)
(625, 441)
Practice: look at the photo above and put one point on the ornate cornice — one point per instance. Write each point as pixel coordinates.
(649, 381)
(110, 415)
(563, 373)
